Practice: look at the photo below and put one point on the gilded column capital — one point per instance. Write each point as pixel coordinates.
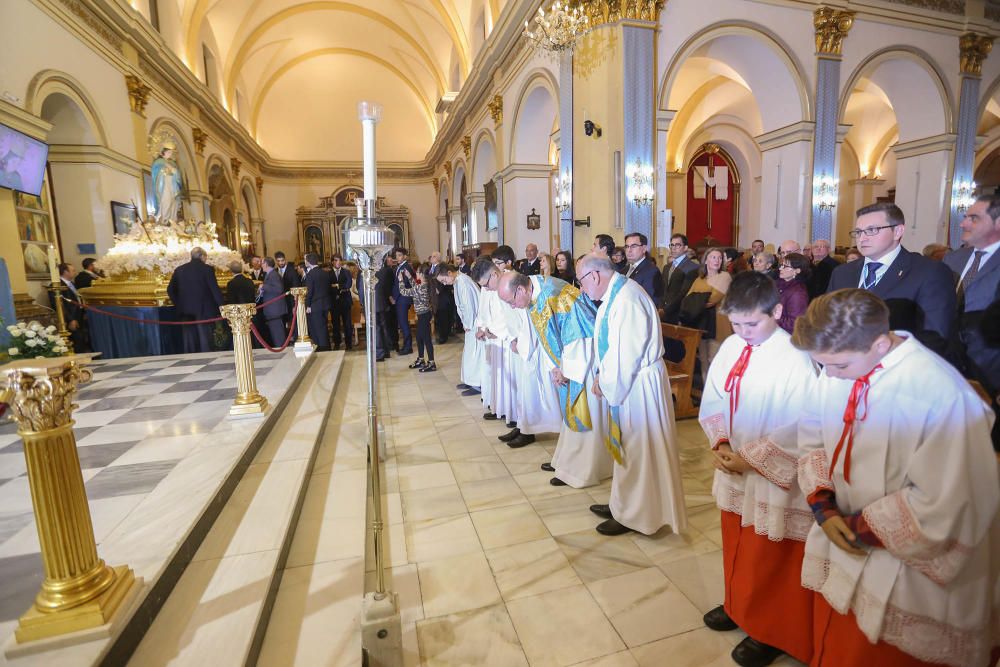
(447, 169)
(200, 137)
(138, 94)
(467, 146)
(40, 391)
(235, 164)
(600, 12)
(496, 110)
(240, 315)
(436, 182)
(259, 181)
(832, 26)
(974, 49)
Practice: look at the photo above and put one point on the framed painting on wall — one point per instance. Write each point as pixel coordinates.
(34, 229)
(313, 240)
(123, 216)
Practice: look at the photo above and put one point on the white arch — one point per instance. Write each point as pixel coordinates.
(460, 172)
(484, 159)
(248, 191)
(537, 78)
(48, 82)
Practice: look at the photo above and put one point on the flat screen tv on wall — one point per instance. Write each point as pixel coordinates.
(22, 161)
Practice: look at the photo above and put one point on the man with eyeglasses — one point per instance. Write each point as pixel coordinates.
(640, 268)
(677, 277)
(918, 291)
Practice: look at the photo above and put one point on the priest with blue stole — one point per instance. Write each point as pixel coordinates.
(558, 339)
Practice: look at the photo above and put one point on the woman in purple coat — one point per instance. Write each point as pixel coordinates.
(792, 277)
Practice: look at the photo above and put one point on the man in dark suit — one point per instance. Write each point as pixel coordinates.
(340, 285)
(86, 277)
(195, 293)
(405, 278)
(274, 313)
(443, 301)
(530, 265)
(289, 279)
(256, 271)
(382, 307)
(919, 291)
(977, 280)
(823, 266)
(678, 275)
(317, 301)
(641, 268)
(239, 289)
(72, 307)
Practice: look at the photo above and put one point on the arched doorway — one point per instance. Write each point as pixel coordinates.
(229, 235)
(713, 198)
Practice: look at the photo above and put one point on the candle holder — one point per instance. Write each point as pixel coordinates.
(55, 289)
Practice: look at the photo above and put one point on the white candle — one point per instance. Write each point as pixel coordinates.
(53, 264)
(369, 113)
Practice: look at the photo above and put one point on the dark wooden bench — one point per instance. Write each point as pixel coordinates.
(682, 373)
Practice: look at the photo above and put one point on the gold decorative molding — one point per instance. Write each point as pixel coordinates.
(200, 137)
(496, 110)
(436, 182)
(138, 94)
(974, 49)
(467, 146)
(832, 26)
(447, 170)
(946, 6)
(600, 12)
(712, 149)
(235, 163)
(41, 399)
(260, 185)
(100, 28)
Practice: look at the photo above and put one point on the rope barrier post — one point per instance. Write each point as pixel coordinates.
(56, 290)
(80, 591)
(304, 343)
(248, 403)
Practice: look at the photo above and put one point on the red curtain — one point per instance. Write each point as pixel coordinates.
(723, 219)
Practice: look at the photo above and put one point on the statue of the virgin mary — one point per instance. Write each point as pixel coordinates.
(167, 183)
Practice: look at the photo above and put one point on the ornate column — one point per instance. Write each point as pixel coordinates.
(974, 49)
(832, 26)
(248, 403)
(565, 148)
(80, 591)
(476, 205)
(304, 342)
(455, 227)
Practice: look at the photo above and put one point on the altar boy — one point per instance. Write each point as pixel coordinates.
(756, 388)
(898, 469)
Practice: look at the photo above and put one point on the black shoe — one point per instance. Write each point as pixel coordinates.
(603, 511)
(555, 481)
(472, 391)
(490, 417)
(511, 424)
(547, 467)
(752, 653)
(612, 527)
(419, 363)
(719, 620)
(406, 350)
(521, 441)
(429, 368)
(462, 385)
(507, 437)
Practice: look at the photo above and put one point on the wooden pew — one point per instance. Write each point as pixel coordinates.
(682, 373)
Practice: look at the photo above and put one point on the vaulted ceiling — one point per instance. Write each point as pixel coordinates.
(293, 71)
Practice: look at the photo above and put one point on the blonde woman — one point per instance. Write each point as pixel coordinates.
(546, 265)
(714, 280)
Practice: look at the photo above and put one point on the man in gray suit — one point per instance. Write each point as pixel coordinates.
(977, 274)
(274, 313)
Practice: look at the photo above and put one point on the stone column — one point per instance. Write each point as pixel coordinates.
(663, 171)
(566, 145)
(442, 227)
(476, 205)
(638, 87)
(832, 26)
(498, 181)
(974, 49)
(455, 228)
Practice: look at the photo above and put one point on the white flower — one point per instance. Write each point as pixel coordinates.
(35, 326)
(30, 333)
(13, 351)
(50, 329)
(31, 342)
(12, 328)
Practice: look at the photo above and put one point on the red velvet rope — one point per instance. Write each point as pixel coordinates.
(288, 338)
(140, 321)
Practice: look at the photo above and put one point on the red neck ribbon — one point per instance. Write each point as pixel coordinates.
(733, 382)
(858, 398)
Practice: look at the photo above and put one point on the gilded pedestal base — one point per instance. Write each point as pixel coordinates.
(248, 408)
(35, 624)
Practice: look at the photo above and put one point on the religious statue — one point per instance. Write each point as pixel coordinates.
(167, 184)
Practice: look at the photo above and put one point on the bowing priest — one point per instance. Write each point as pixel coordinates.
(473, 353)
(646, 491)
(559, 351)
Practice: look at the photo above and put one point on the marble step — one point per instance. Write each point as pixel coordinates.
(220, 607)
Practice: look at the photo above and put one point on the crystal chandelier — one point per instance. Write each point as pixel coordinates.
(556, 30)
(964, 195)
(825, 192)
(640, 183)
(564, 191)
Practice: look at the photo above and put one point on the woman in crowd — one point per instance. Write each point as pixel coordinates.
(420, 293)
(852, 255)
(714, 281)
(546, 265)
(618, 259)
(765, 262)
(792, 278)
(565, 268)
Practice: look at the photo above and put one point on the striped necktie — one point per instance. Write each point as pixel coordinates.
(871, 269)
(970, 275)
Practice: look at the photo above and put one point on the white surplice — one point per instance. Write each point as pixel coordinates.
(473, 354)
(537, 398)
(646, 490)
(505, 366)
(776, 384)
(491, 355)
(924, 476)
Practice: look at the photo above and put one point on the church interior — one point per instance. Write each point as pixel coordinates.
(226, 496)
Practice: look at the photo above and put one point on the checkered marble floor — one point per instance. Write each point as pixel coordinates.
(136, 420)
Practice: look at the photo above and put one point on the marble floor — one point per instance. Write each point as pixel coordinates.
(492, 564)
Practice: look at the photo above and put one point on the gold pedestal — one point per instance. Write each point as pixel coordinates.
(303, 343)
(248, 401)
(80, 591)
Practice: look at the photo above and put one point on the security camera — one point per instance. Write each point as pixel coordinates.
(591, 128)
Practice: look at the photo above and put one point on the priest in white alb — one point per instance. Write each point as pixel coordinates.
(499, 326)
(646, 490)
(473, 353)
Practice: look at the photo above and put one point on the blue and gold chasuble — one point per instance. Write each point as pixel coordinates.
(562, 315)
(613, 441)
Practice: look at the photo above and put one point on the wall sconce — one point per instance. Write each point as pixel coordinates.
(825, 192)
(964, 195)
(590, 128)
(564, 191)
(640, 183)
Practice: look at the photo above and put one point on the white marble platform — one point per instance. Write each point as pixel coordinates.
(160, 459)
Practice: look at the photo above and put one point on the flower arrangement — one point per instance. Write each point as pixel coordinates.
(163, 248)
(32, 340)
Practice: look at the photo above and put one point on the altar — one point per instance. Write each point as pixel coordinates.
(320, 228)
